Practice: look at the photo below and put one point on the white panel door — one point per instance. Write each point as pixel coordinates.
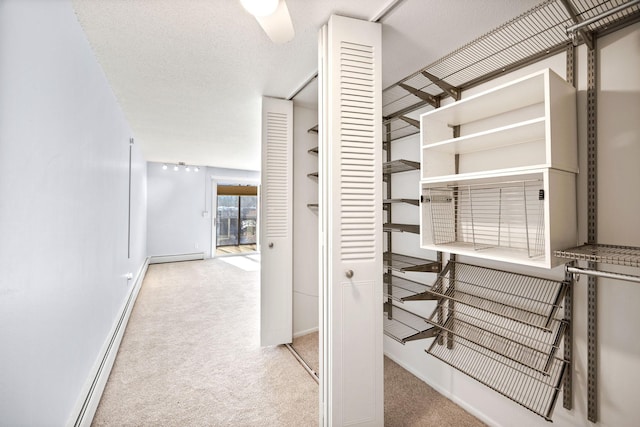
(276, 283)
(351, 223)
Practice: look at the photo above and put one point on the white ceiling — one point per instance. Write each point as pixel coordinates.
(190, 74)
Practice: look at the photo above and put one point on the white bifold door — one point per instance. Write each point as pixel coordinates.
(276, 282)
(351, 223)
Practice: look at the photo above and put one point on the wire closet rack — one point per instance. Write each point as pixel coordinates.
(537, 33)
(504, 330)
(502, 214)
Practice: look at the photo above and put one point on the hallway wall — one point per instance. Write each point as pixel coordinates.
(64, 182)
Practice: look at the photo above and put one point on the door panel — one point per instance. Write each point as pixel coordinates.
(351, 221)
(276, 297)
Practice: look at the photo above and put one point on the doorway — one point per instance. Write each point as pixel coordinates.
(236, 222)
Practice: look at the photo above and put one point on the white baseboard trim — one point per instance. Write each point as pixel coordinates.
(305, 332)
(85, 409)
(159, 259)
(446, 393)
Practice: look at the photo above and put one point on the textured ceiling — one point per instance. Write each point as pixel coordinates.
(190, 74)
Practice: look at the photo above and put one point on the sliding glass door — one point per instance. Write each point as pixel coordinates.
(237, 216)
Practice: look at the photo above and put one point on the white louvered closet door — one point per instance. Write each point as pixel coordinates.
(276, 282)
(351, 223)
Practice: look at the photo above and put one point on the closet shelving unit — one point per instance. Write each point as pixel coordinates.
(543, 31)
(401, 324)
(313, 151)
(505, 189)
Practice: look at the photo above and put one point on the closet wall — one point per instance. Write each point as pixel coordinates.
(618, 207)
(305, 223)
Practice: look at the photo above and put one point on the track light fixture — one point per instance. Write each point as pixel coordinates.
(176, 167)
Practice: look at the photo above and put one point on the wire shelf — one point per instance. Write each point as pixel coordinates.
(402, 263)
(397, 166)
(483, 216)
(535, 34)
(409, 228)
(405, 326)
(536, 391)
(531, 347)
(529, 300)
(600, 253)
(399, 288)
(414, 202)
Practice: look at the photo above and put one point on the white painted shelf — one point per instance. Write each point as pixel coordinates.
(527, 123)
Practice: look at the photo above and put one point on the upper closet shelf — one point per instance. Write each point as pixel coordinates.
(401, 165)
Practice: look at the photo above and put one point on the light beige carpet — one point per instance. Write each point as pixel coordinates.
(408, 401)
(191, 356)
(307, 348)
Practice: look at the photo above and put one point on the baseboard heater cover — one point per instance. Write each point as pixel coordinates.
(160, 259)
(83, 413)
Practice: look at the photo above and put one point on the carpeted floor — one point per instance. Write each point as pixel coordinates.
(191, 357)
(408, 401)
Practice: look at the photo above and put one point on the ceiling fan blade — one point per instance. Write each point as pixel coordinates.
(278, 25)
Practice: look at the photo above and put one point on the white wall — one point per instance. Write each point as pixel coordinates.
(176, 202)
(305, 223)
(64, 156)
(618, 207)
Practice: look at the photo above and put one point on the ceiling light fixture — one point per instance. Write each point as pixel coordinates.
(273, 16)
(260, 7)
(176, 167)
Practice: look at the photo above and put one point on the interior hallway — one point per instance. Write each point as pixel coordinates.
(191, 356)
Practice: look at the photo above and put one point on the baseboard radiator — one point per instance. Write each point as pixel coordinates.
(90, 396)
(160, 259)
